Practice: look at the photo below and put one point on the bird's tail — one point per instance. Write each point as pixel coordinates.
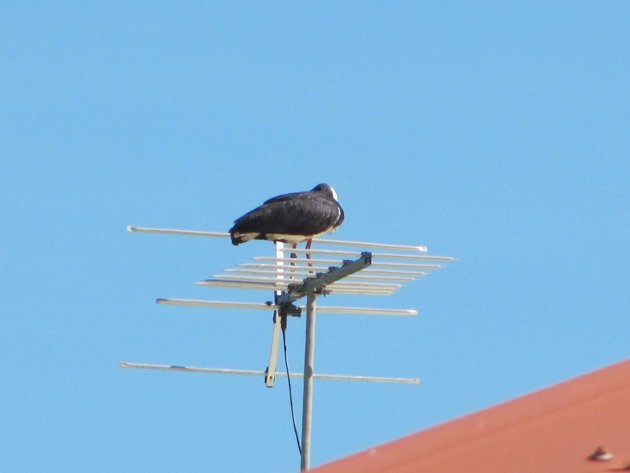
(238, 237)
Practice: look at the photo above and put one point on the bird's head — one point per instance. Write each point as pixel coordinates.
(325, 188)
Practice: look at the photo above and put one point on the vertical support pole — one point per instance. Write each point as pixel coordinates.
(270, 375)
(307, 403)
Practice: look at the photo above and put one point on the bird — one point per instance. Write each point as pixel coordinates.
(291, 218)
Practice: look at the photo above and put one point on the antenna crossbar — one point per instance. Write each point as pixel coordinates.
(374, 255)
(287, 282)
(341, 288)
(302, 267)
(320, 376)
(332, 261)
(268, 307)
(238, 273)
(323, 241)
(175, 231)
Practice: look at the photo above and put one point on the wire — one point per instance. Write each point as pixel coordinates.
(286, 364)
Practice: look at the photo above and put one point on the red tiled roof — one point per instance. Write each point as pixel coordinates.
(552, 430)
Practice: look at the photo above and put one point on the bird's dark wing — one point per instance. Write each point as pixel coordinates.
(301, 214)
(280, 198)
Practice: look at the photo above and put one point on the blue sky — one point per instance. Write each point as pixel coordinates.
(493, 132)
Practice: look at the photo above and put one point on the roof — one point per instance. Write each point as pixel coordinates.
(555, 429)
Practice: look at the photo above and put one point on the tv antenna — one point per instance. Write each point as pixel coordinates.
(325, 271)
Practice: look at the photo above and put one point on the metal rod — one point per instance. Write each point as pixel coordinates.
(269, 279)
(270, 375)
(268, 307)
(229, 371)
(235, 272)
(325, 268)
(356, 254)
(363, 244)
(191, 369)
(174, 231)
(309, 359)
(338, 289)
(374, 264)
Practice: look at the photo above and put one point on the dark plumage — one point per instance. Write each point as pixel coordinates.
(291, 218)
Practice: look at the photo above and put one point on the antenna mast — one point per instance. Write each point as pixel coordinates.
(381, 277)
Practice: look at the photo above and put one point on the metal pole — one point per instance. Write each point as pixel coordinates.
(270, 377)
(307, 403)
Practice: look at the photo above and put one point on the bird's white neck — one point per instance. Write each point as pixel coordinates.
(334, 195)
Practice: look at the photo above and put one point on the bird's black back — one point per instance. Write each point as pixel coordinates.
(297, 213)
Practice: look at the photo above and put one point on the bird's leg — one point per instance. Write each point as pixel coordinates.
(308, 254)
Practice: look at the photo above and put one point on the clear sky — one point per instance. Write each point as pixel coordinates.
(494, 132)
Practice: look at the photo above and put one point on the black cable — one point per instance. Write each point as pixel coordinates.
(286, 364)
